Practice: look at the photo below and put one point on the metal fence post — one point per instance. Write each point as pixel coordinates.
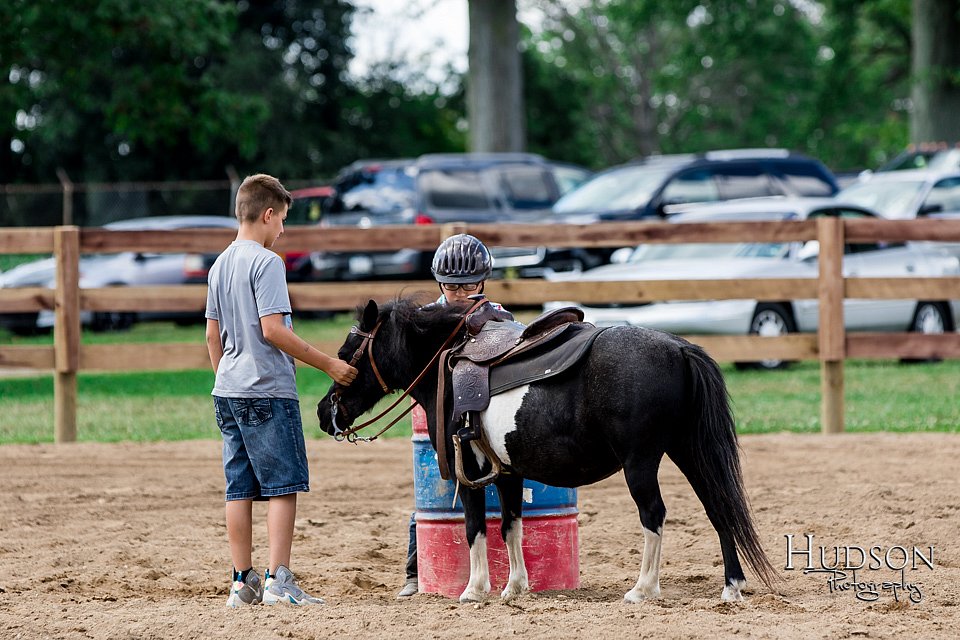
(67, 186)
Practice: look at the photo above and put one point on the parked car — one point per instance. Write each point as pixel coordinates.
(436, 189)
(932, 155)
(307, 210)
(128, 268)
(364, 194)
(642, 189)
(906, 194)
(749, 260)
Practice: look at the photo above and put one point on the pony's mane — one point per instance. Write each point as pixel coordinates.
(418, 311)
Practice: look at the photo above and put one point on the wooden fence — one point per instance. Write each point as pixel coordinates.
(831, 345)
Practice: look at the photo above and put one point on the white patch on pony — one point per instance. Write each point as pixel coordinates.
(479, 584)
(648, 585)
(731, 592)
(517, 583)
(500, 418)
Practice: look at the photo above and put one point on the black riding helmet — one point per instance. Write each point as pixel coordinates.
(461, 259)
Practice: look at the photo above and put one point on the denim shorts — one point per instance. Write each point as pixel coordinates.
(263, 450)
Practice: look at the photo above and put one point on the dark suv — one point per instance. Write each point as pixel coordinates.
(437, 188)
(642, 189)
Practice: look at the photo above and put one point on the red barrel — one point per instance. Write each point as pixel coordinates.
(550, 535)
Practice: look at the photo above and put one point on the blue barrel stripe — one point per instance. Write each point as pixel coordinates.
(434, 495)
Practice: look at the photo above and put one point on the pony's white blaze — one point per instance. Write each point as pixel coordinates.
(648, 584)
(517, 583)
(500, 418)
(479, 584)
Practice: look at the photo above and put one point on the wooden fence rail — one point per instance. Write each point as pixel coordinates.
(831, 345)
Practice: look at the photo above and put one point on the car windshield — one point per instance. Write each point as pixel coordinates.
(709, 250)
(891, 199)
(618, 190)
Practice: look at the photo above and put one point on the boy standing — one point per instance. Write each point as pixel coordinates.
(252, 349)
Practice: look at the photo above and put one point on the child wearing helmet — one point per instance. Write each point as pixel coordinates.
(461, 266)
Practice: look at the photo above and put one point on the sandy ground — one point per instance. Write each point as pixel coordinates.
(128, 541)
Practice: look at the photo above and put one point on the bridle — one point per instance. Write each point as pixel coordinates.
(366, 346)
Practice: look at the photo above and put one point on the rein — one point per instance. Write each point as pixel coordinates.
(350, 433)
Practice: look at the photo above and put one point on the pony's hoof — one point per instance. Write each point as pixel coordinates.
(469, 596)
(636, 596)
(731, 592)
(511, 592)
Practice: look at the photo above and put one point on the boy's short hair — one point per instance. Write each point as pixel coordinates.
(257, 193)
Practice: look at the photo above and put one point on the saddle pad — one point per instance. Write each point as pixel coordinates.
(554, 358)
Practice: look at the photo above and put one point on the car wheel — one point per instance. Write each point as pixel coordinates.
(112, 321)
(769, 320)
(929, 318)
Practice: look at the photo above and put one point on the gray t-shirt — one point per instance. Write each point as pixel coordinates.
(246, 283)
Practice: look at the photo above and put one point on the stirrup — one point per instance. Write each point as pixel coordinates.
(495, 467)
(466, 434)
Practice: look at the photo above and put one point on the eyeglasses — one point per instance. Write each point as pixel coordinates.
(468, 286)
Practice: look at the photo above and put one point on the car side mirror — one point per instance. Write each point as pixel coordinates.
(927, 209)
(809, 251)
(621, 255)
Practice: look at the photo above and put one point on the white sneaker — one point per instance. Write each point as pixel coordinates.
(250, 591)
(283, 588)
(409, 589)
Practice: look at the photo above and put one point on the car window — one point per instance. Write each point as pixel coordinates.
(803, 179)
(527, 187)
(691, 186)
(569, 178)
(305, 211)
(454, 189)
(945, 194)
(623, 189)
(744, 181)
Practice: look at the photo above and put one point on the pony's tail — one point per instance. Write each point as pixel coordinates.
(716, 454)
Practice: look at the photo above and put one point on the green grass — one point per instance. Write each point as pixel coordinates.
(149, 406)
(140, 407)
(9, 261)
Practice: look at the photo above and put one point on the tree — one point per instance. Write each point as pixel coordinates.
(936, 71)
(119, 90)
(647, 77)
(495, 84)
(106, 88)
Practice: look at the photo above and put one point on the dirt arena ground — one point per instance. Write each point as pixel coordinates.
(128, 541)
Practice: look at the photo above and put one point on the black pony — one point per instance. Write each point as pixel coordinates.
(637, 395)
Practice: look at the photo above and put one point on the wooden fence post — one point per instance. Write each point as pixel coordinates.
(66, 333)
(832, 333)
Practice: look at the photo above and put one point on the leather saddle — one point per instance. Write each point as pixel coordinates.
(500, 354)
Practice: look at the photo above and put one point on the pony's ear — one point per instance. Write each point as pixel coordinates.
(370, 314)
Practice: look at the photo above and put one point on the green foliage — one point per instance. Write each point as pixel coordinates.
(109, 88)
(182, 89)
(641, 77)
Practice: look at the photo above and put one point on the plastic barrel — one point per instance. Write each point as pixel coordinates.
(550, 535)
